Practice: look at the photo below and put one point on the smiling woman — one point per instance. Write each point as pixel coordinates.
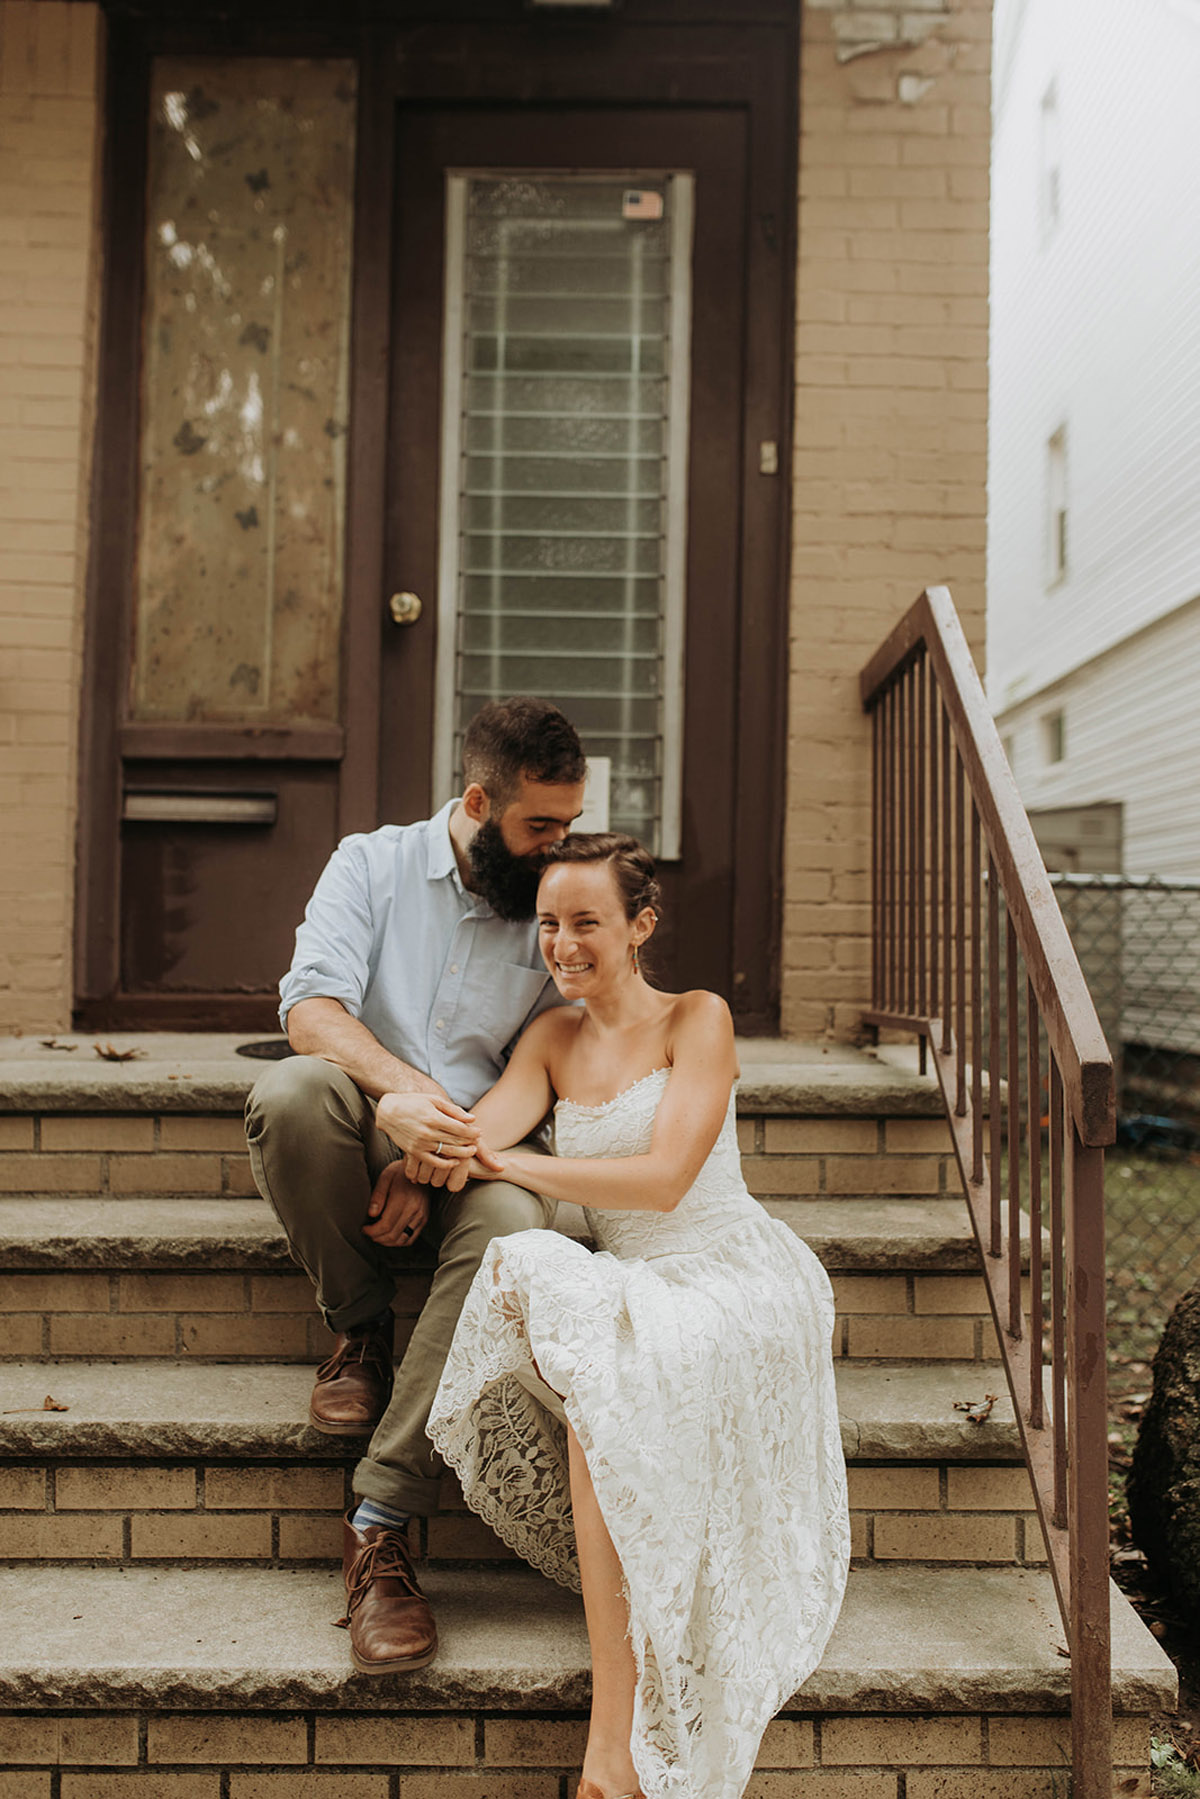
(654, 1424)
(602, 912)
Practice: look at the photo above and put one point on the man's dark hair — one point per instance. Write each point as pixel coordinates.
(510, 738)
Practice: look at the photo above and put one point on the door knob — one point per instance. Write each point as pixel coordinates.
(405, 608)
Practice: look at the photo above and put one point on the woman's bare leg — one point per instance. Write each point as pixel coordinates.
(607, 1759)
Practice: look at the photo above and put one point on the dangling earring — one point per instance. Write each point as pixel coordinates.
(637, 965)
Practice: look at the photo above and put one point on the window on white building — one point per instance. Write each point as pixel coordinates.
(1049, 165)
(1056, 506)
(1054, 735)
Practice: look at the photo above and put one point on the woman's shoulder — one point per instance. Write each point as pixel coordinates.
(551, 1031)
(556, 1021)
(700, 1005)
(701, 1018)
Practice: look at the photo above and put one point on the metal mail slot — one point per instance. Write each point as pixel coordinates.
(192, 808)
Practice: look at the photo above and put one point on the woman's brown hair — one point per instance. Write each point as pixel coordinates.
(632, 865)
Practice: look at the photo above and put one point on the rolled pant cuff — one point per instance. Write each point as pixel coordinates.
(405, 1492)
(372, 1304)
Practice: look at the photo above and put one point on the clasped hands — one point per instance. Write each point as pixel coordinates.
(442, 1148)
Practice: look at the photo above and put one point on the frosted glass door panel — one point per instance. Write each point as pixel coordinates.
(564, 469)
(238, 604)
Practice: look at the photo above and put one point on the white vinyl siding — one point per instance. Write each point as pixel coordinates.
(1099, 325)
(1134, 737)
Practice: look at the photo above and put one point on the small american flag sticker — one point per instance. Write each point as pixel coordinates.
(641, 203)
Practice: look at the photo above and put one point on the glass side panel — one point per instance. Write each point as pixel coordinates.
(238, 604)
(564, 468)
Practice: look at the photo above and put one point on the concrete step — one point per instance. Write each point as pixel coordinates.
(158, 1232)
(212, 1279)
(891, 1412)
(937, 1684)
(194, 1073)
(158, 1461)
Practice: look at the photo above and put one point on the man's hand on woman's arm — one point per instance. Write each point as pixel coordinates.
(413, 1110)
(454, 1167)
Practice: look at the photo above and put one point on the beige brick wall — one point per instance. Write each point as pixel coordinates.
(890, 427)
(50, 59)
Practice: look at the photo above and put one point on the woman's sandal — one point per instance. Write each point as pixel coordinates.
(589, 1790)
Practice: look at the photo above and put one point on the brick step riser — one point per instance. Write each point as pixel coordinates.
(137, 1512)
(347, 1755)
(269, 1316)
(88, 1155)
(108, 1155)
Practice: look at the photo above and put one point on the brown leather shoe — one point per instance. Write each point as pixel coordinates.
(354, 1385)
(391, 1625)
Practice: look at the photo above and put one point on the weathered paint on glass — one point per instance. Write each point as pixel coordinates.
(244, 391)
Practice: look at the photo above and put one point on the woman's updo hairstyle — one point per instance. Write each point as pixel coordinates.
(632, 866)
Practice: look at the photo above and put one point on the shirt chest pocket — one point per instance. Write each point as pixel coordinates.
(506, 996)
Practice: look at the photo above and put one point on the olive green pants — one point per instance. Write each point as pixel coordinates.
(316, 1153)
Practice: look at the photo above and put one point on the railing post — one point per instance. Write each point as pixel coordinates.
(1087, 1456)
(878, 775)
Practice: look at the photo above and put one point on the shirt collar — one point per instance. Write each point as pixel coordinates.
(440, 859)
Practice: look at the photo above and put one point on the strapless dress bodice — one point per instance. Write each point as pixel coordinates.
(717, 1202)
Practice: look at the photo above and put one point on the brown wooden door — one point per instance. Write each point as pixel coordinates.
(695, 944)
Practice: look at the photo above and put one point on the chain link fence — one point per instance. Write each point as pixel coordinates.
(1138, 942)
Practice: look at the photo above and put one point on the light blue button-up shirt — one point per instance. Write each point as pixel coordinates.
(435, 976)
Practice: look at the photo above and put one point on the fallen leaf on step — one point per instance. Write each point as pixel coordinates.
(53, 1043)
(111, 1053)
(47, 1405)
(977, 1410)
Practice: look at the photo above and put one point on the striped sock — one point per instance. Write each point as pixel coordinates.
(372, 1511)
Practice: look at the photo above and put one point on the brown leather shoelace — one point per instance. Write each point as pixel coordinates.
(362, 1349)
(385, 1555)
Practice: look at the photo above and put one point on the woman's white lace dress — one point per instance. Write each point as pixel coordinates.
(693, 1354)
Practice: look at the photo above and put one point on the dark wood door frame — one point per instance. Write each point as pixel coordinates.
(669, 52)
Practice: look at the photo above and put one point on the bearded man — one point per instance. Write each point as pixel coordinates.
(416, 968)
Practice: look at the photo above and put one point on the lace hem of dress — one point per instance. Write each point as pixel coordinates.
(521, 1486)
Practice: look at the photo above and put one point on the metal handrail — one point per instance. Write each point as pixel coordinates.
(953, 850)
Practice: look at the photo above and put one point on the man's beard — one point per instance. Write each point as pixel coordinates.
(508, 883)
